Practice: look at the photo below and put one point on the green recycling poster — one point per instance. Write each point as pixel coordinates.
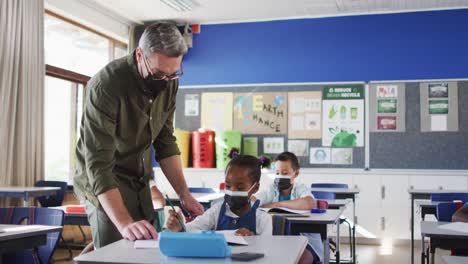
(343, 116)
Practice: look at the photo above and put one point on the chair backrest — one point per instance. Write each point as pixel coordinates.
(445, 211)
(38, 216)
(330, 185)
(201, 190)
(52, 200)
(449, 197)
(321, 195)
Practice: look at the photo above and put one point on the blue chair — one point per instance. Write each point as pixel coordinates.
(330, 185)
(445, 210)
(342, 219)
(52, 200)
(449, 197)
(201, 190)
(320, 195)
(38, 216)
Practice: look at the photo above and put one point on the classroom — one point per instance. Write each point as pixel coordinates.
(215, 131)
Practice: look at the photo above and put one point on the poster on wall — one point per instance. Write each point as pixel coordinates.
(273, 145)
(250, 146)
(192, 104)
(320, 156)
(304, 116)
(343, 116)
(216, 111)
(438, 90)
(386, 123)
(299, 147)
(342, 156)
(261, 113)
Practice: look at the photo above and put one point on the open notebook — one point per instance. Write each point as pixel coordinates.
(282, 210)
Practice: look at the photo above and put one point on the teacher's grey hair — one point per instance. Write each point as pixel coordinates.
(163, 37)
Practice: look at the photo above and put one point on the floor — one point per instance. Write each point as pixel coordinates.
(367, 254)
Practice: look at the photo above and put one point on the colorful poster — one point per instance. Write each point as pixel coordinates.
(386, 106)
(304, 116)
(192, 104)
(260, 113)
(387, 91)
(216, 111)
(386, 123)
(273, 145)
(320, 156)
(299, 147)
(438, 106)
(343, 116)
(342, 156)
(250, 146)
(439, 123)
(438, 90)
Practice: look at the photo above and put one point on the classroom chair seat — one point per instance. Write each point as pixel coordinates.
(33, 216)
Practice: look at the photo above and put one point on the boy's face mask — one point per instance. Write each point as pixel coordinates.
(237, 199)
(282, 182)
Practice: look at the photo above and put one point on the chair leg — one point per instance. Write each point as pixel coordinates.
(82, 234)
(70, 253)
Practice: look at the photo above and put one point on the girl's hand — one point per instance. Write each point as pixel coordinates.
(244, 232)
(172, 222)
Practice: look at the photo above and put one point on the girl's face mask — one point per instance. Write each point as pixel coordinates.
(237, 199)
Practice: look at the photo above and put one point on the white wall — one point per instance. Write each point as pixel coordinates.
(371, 205)
(89, 13)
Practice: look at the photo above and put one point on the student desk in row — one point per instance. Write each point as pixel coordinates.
(27, 192)
(440, 237)
(318, 223)
(423, 194)
(18, 237)
(277, 249)
(454, 260)
(349, 193)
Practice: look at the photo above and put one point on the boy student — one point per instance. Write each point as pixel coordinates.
(236, 212)
(285, 191)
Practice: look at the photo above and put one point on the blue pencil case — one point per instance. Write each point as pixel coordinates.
(207, 244)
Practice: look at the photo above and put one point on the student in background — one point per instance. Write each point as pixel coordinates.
(461, 215)
(236, 212)
(156, 196)
(285, 191)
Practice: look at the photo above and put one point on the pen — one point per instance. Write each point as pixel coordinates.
(181, 223)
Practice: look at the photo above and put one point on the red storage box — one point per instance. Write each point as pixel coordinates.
(203, 148)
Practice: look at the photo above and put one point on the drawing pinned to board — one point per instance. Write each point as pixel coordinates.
(273, 145)
(260, 113)
(217, 111)
(438, 122)
(386, 106)
(304, 116)
(386, 123)
(192, 104)
(299, 147)
(438, 90)
(387, 91)
(250, 146)
(342, 156)
(343, 116)
(320, 156)
(438, 106)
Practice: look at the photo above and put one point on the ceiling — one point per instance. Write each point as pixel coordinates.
(223, 11)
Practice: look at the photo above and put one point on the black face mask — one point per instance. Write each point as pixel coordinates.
(154, 87)
(283, 183)
(236, 200)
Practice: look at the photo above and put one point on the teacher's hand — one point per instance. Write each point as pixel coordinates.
(140, 230)
(191, 206)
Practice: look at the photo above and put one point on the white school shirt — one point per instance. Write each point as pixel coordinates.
(209, 220)
(271, 194)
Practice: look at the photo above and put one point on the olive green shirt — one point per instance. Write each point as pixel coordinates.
(119, 125)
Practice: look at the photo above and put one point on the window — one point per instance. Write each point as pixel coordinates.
(71, 46)
(73, 52)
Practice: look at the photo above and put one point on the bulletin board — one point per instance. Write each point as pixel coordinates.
(254, 140)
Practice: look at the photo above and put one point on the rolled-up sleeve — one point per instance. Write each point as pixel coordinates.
(99, 133)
